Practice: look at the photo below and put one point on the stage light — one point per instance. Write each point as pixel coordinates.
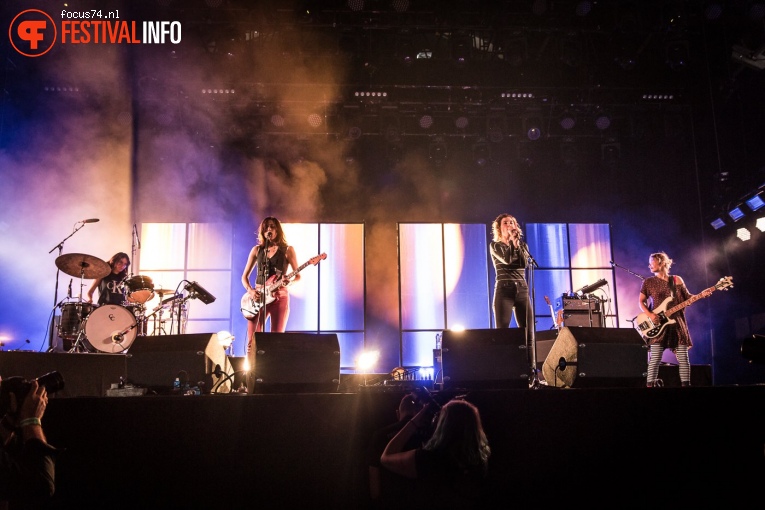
(602, 121)
(400, 5)
(717, 223)
(426, 121)
(755, 202)
(736, 213)
(366, 361)
(743, 234)
(314, 120)
(277, 120)
(760, 224)
(567, 122)
(356, 5)
(461, 122)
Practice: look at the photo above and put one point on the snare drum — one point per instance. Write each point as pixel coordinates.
(72, 315)
(140, 289)
(110, 328)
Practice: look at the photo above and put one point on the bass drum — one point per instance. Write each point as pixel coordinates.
(110, 328)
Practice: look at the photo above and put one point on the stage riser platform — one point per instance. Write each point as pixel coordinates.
(309, 450)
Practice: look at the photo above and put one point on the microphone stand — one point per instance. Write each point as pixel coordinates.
(534, 384)
(628, 270)
(264, 273)
(614, 264)
(56, 304)
(135, 239)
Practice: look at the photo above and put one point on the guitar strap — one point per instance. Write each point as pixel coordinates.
(671, 281)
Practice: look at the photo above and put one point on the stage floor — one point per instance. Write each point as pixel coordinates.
(617, 447)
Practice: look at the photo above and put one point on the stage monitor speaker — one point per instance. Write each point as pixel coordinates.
(295, 363)
(596, 357)
(485, 359)
(154, 362)
(582, 319)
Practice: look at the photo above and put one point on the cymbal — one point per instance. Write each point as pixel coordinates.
(79, 264)
(160, 290)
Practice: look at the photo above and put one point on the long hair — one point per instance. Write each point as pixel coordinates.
(279, 239)
(459, 433)
(496, 226)
(664, 260)
(115, 258)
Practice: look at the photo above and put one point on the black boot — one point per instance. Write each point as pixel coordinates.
(685, 383)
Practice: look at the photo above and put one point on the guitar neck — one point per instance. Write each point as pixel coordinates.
(296, 271)
(689, 301)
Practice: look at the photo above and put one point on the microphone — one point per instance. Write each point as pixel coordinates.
(593, 286)
(135, 231)
(611, 262)
(70, 288)
(117, 338)
(90, 220)
(269, 235)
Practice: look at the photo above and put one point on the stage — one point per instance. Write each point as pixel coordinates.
(620, 447)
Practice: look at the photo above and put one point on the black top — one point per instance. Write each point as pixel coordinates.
(276, 265)
(110, 290)
(509, 261)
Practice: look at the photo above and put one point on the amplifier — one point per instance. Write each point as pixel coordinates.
(573, 303)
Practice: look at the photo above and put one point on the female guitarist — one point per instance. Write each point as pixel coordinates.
(273, 257)
(654, 292)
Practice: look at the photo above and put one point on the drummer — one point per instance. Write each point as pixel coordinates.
(110, 289)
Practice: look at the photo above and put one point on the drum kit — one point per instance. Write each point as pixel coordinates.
(112, 328)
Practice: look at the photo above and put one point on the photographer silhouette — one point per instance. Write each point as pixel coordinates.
(27, 461)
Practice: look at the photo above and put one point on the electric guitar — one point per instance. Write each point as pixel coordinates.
(557, 321)
(649, 329)
(251, 307)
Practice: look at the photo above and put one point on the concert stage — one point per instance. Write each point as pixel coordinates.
(620, 447)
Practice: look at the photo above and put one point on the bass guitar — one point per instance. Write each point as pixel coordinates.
(251, 307)
(649, 329)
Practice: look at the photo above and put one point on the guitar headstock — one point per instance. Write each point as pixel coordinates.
(724, 283)
(318, 258)
(547, 300)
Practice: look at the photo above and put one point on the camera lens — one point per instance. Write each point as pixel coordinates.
(53, 381)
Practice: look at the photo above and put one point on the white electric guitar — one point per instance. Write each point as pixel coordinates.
(251, 307)
(649, 329)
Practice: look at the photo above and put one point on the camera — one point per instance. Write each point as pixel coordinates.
(53, 381)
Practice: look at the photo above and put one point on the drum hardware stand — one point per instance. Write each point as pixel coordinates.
(60, 247)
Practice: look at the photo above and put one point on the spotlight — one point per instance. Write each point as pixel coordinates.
(567, 122)
(426, 121)
(760, 224)
(755, 202)
(743, 234)
(717, 223)
(367, 361)
(461, 122)
(602, 121)
(736, 213)
(314, 120)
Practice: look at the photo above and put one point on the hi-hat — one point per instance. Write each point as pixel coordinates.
(81, 265)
